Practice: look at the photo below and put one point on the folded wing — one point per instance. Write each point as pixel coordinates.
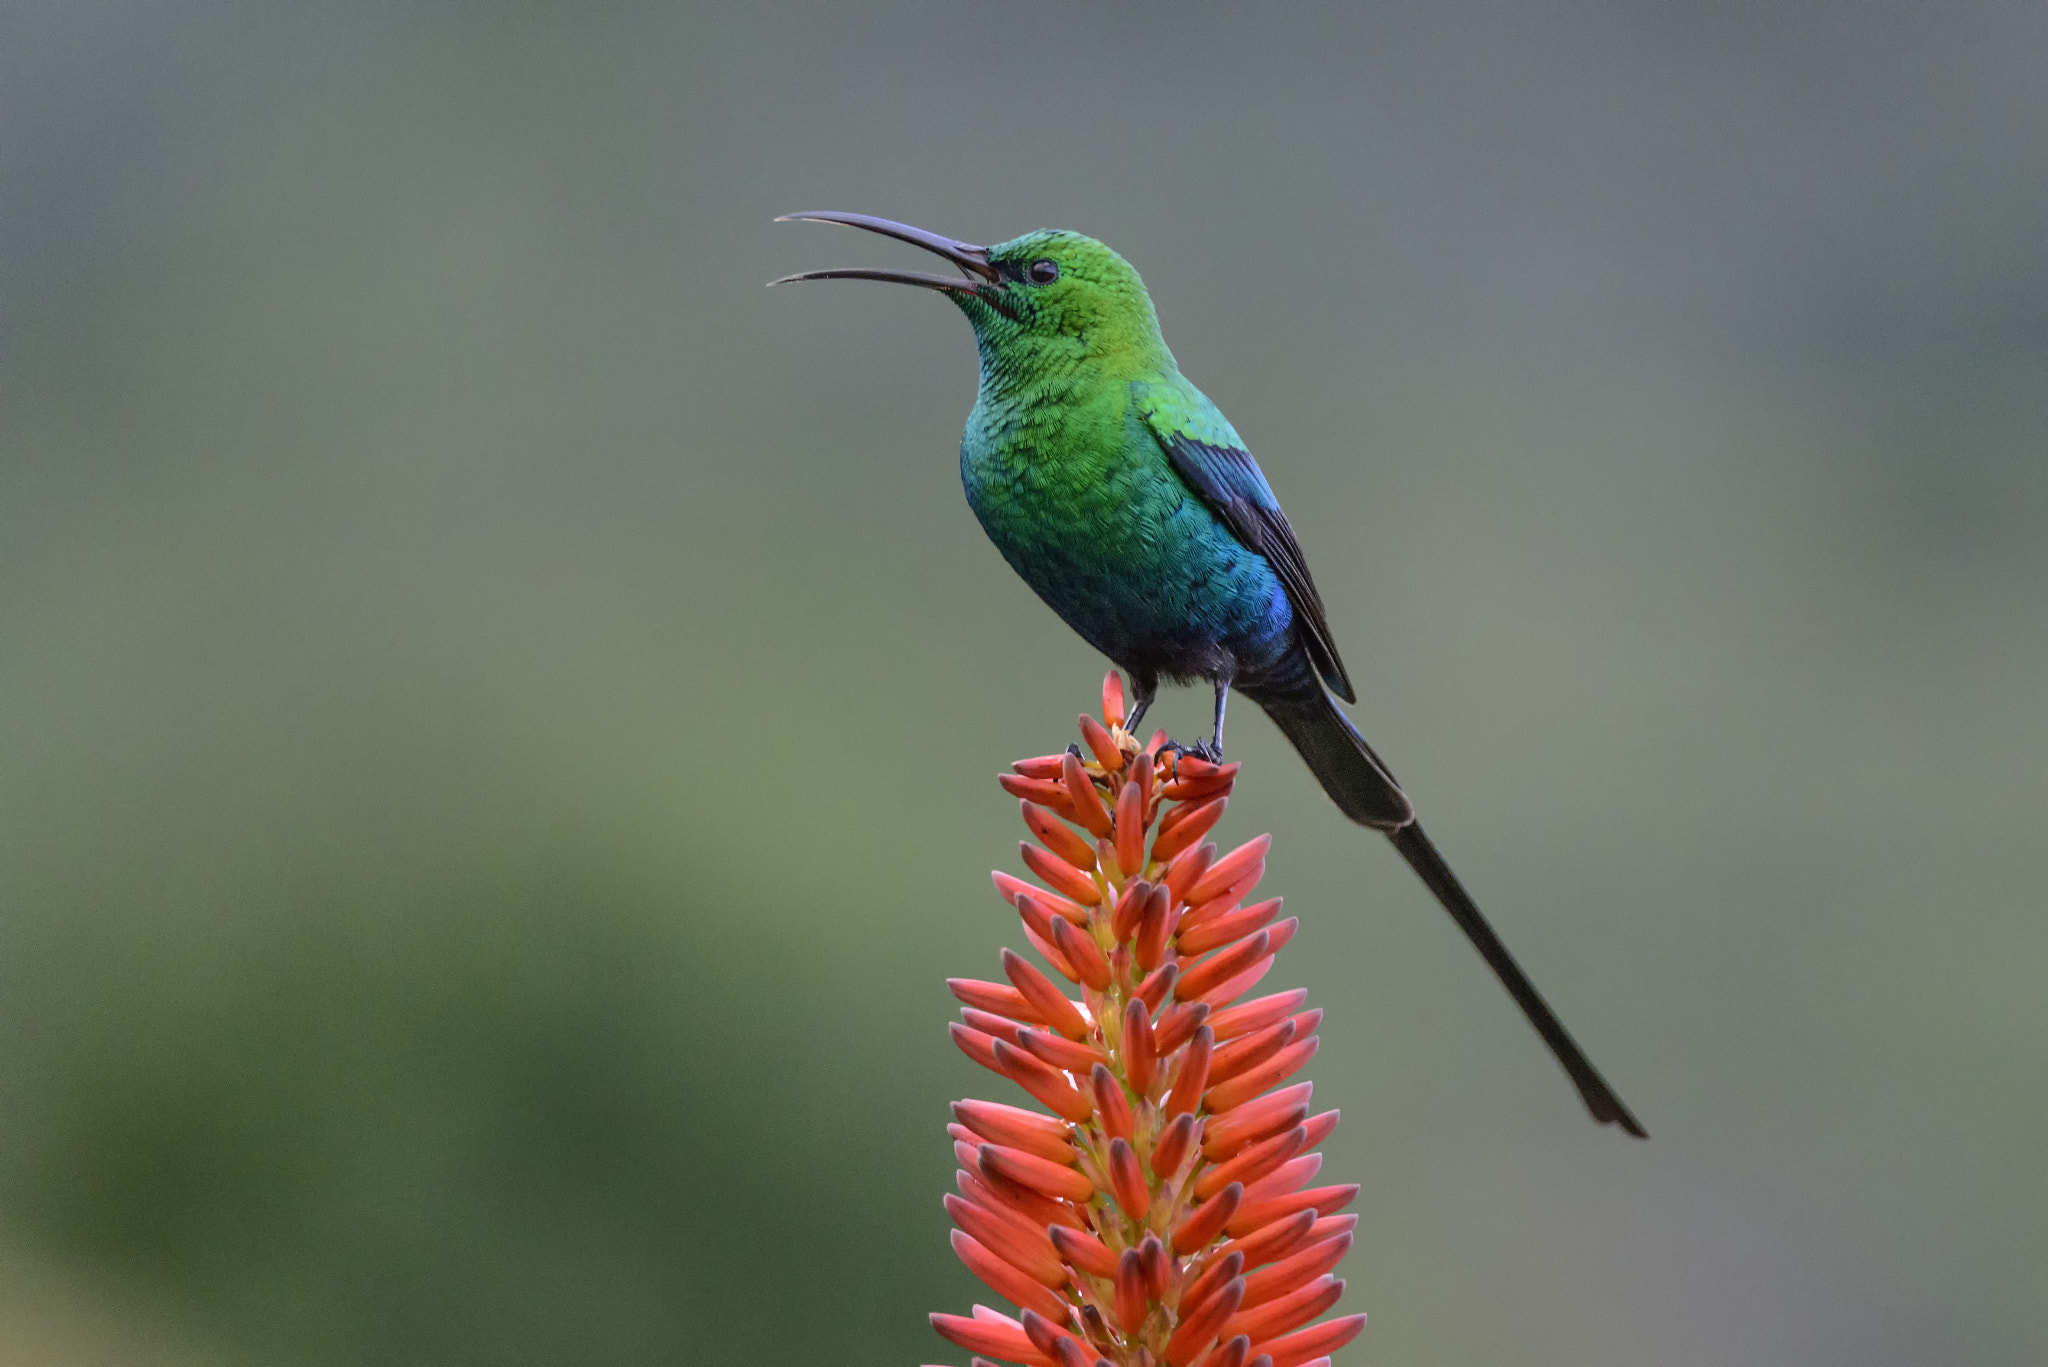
(1206, 452)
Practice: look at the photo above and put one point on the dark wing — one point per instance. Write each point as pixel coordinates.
(1226, 478)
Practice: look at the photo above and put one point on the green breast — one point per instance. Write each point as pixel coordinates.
(1083, 504)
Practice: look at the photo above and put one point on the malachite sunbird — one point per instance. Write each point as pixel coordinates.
(1130, 505)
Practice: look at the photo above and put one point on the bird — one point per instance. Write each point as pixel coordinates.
(1130, 505)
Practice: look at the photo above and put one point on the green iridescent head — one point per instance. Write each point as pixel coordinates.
(1042, 300)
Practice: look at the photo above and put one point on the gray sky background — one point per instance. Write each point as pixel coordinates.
(497, 709)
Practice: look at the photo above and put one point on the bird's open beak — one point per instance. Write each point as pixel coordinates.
(980, 278)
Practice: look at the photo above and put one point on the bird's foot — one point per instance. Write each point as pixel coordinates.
(1208, 751)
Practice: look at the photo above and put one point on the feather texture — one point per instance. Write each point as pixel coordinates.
(1218, 468)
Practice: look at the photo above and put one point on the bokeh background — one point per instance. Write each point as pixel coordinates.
(498, 711)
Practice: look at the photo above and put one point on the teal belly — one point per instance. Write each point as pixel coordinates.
(1125, 553)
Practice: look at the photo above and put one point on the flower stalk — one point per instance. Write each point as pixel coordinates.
(1162, 1213)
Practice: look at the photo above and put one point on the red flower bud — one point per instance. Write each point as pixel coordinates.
(1009, 888)
(1185, 825)
(1029, 1251)
(1099, 743)
(1050, 1004)
(1067, 1055)
(1140, 1061)
(1083, 1250)
(1128, 1297)
(995, 997)
(1194, 1075)
(1061, 876)
(1198, 982)
(1112, 1109)
(1130, 905)
(1116, 1259)
(1186, 869)
(1130, 830)
(1271, 1073)
(1059, 837)
(1311, 1345)
(1014, 1125)
(1127, 1180)
(1113, 698)
(1255, 1162)
(1289, 1177)
(1240, 863)
(1157, 984)
(1275, 1240)
(1258, 1214)
(1249, 1051)
(1217, 931)
(1199, 1331)
(1079, 949)
(1154, 926)
(1042, 792)
(1224, 1135)
(1288, 1312)
(1042, 1175)
(1006, 1340)
(1177, 1025)
(1087, 803)
(1170, 1150)
(1296, 1270)
(977, 1046)
(1043, 1081)
(1220, 1270)
(1210, 1219)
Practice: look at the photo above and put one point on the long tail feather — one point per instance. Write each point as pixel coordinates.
(1338, 756)
(1422, 856)
(1363, 789)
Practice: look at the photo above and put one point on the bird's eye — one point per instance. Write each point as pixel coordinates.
(1044, 272)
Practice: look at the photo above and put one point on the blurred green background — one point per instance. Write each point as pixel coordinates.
(497, 710)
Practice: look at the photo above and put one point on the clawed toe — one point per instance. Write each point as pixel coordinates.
(1208, 751)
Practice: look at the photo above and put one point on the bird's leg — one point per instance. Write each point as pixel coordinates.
(1145, 687)
(1212, 749)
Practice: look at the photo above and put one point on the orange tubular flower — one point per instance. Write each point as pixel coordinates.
(1160, 1216)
